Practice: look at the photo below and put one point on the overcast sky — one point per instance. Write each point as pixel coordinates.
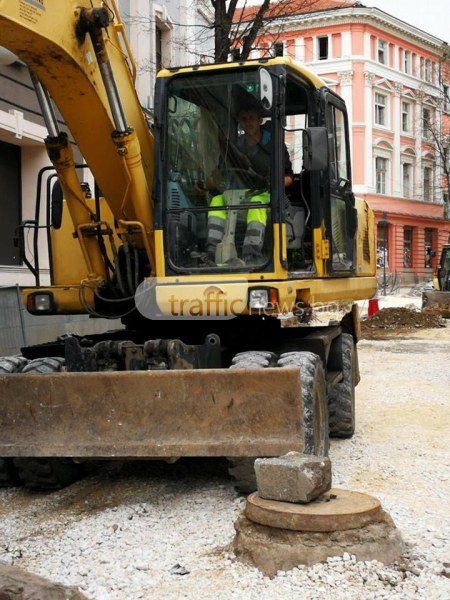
(432, 16)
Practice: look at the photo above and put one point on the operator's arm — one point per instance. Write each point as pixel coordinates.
(288, 171)
(213, 184)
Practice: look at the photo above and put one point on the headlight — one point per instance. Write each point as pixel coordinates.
(41, 303)
(258, 299)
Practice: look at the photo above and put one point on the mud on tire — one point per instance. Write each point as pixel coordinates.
(12, 364)
(8, 473)
(242, 468)
(341, 399)
(44, 365)
(315, 413)
(48, 473)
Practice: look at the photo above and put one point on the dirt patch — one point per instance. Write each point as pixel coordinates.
(392, 322)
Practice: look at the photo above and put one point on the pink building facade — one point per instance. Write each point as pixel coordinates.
(390, 76)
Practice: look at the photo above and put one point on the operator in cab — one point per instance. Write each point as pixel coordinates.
(254, 144)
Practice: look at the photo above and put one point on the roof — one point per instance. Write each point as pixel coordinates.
(294, 7)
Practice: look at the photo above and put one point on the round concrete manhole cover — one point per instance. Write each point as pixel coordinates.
(337, 510)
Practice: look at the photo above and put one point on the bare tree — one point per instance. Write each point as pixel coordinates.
(234, 28)
(444, 141)
(239, 28)
(437, 130)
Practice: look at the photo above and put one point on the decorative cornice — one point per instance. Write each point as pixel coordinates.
(345, 77)
(398, 89)
(204, 9)
(420, 95)
(369, 77)
(364, 16)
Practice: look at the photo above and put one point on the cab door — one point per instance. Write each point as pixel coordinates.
(444, 271)
(342, 212)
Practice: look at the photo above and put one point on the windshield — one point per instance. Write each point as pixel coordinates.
(217, 173)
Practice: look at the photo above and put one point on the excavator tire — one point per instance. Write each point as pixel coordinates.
(341, 399)
(12, 364)
(315, 413)
(313, 387)
(8, 473)
(44, 365)
(242, 468)
(47, 473)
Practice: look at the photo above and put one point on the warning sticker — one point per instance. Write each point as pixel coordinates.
(31, 10)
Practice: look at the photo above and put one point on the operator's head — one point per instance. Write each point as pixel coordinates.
(250, 120)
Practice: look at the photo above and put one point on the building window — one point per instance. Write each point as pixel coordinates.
(380, 109)
(158, 48)
(427, 70)
(382, 245)
(406, 117)
(407, 179)
(407, 247)
(163, 41)
(322, 48)
(278, 49)
(429, 253)
(426, 123)
(381, 167)
(446, 92)
(407, 61)
(10, 194)
(427, 184)
(382, 52)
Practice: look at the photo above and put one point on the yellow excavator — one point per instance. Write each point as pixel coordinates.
(437, 300)
(218, 355)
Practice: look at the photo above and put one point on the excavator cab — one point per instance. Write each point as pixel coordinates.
(203, 140)
(308, 227)
(437, 300)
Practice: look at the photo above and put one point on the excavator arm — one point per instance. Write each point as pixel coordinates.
(78, 56)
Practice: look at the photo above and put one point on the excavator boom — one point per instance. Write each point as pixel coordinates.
(78, 52)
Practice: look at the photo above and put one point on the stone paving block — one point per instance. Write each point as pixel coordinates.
(294, 477)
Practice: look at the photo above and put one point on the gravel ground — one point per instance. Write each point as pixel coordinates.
(146, 530)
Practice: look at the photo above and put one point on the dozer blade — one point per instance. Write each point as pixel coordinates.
(216, 412)
(436, 303)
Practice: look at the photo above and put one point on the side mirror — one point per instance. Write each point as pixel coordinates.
(265, 88)
(56, 205)
(315, 149)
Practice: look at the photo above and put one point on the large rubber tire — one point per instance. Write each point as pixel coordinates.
(341, 399)
(47, 473)
(242, 468)
(12, 364)
(8, 473)
(315, 413)
(44, 365)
